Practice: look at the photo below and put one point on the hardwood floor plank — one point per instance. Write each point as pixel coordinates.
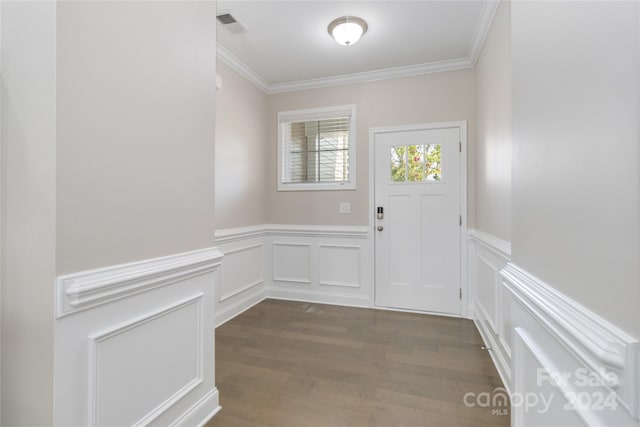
(293, 364)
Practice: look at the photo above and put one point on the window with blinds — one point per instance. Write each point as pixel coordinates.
(316, 149)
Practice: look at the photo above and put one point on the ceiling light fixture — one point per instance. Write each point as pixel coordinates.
(347, 30)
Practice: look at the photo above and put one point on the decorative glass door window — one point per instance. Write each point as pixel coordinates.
(416, 163)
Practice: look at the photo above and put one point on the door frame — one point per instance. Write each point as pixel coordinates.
(461, 125)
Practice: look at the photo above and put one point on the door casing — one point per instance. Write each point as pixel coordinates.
(465, 310)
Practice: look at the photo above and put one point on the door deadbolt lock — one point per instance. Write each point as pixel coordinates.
(380, 212)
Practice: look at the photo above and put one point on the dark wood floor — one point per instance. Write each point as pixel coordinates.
(296, 364)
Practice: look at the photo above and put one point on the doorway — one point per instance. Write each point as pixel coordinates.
(419, 177)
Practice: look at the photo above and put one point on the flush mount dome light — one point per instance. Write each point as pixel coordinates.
(347, 30)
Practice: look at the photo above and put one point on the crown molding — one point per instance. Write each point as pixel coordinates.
(487, 14)
(370, 76)
(241, 68)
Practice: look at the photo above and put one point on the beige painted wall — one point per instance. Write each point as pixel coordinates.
(28, 200)
(576, 127)
(241, 149)
(108, 140)
(136, 105)
(493, 136)
(429, 98)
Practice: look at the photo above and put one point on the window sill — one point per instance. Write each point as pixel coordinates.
(317, 187)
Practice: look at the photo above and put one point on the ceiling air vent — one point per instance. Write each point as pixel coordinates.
(231, 23)
(226, 19)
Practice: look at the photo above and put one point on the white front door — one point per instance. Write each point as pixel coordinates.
(417, 243)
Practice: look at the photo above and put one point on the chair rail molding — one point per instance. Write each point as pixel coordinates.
(117, 327)
(80, 291)
(500, 247)
(587, 341)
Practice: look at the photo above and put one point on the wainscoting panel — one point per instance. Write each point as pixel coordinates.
(134, 343)
(330, 265)
(292, 262)
(324, 264)
(124, 361)
(339, 265)
(245, 271)
(487, 256)
(242, 270)
(547, 403)
(566, 353)
(561, 363)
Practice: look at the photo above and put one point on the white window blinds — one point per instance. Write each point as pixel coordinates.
(316, 149)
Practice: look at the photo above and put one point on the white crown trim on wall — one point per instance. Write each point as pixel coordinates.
(370, 76)
(489, 9)
(241, 68)
(483, 24)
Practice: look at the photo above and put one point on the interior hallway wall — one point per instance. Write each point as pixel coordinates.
(136, 129)
(438, 97)
(241, 150)
(28, 203)
(575, 182)
(108, 137)
(493, 136)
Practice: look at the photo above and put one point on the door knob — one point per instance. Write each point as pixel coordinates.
(380, 228)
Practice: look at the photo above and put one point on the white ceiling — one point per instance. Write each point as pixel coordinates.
(286, 45)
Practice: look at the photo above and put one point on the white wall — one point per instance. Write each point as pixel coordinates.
(493, 136)
(439, 97)
(241, 150)
(575, 155)
(28, 200)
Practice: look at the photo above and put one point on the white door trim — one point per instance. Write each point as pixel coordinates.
(462, 126)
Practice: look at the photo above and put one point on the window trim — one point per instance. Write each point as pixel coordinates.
(319, 114)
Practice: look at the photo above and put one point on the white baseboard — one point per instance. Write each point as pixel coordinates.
(239, 306)
(318, 297)
(502, 364)
(201, 412)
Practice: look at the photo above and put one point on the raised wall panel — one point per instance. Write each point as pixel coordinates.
(339, 265)
(595, 360)
(532, 328)
(505, 327)
(487, 256)
(487, 276)
(292, 262)
(324, 264)
(245, 272)
(125, 361)
(241, 271)
(537, 401)
(143, 351)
